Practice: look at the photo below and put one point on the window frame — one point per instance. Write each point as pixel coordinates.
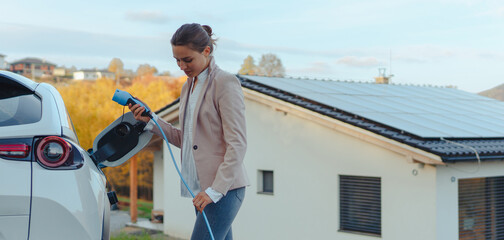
(261, 182)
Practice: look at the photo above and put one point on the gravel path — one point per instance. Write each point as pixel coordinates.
(119, 219)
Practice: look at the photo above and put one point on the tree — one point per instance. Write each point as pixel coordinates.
(248, 67)
(116, 66)
(99, 111)
(165, 73)
(271, 66)
(145, 70)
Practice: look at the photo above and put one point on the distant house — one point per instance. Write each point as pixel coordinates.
(59, 72)
(92, 74)
(346, 160)
(32, 67)
(3, 64)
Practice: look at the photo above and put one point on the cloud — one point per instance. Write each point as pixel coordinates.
(491, 56)
(494, 12)
(79, 46)
(362, 62)
(251, 49)
(426, 53)
(156, 17)
(314, 68)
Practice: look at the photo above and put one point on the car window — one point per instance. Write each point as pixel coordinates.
(18, 106)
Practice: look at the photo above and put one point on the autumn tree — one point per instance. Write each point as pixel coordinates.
(165, 73)
(99, 111)
(271, 66)
(116, 66)
(146, 70)
(248, 67)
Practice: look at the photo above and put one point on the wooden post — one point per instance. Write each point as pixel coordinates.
(133, 189)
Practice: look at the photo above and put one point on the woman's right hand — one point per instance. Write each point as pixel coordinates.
(137, 112)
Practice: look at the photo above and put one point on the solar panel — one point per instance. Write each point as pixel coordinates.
(428, 112)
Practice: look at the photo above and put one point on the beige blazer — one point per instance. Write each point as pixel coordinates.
(219, 132)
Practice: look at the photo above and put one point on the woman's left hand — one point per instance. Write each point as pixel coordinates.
(201, 201)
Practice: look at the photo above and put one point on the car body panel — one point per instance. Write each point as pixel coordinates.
(14, 227)
(67, 128)
(15, 177)
(77, 203)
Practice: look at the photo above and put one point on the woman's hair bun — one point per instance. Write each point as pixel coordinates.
(195, 36)
(208, 29)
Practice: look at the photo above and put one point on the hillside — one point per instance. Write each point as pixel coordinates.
(496, 93)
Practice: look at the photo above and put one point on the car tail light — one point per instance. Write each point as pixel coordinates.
(14, 150)
(53, 151)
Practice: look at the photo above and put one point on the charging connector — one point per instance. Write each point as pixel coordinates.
(124, 98)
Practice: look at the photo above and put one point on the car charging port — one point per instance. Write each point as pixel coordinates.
(112, 197)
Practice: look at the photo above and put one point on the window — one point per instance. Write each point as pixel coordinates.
(18, 105)
(265, 182)
(481, 208)
(360, 204)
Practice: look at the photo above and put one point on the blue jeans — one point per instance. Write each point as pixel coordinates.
(220, 216)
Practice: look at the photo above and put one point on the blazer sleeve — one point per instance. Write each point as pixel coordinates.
(231, 107)
(173, 134)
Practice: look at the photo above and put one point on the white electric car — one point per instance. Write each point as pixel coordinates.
(51, 188)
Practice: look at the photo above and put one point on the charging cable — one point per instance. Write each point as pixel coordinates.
(466, 146)
(180, 174)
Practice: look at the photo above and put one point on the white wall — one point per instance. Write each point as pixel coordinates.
(158, 181)
(447, 192)
(307, 159)
(78, 75)
(85, 75)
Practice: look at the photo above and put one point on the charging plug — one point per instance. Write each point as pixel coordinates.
(124, 98)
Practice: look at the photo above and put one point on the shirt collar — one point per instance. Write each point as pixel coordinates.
(203, 75)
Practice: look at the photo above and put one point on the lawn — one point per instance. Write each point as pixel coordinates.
(142, 236)
(144, 207)
(125, 236)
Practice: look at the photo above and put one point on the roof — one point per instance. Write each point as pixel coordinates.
(33, 61)
(94, 70)
(419, 116)
(168, 106)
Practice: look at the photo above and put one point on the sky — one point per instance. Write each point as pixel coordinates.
(421, 42)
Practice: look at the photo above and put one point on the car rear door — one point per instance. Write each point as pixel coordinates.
(19, 107)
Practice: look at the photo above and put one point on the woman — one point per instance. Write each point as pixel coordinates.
(212, 135)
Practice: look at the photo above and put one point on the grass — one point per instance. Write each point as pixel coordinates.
(125, 236)
(144, 208)
(142, 236)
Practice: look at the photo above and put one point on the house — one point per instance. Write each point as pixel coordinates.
(3, 64)
(32, 67)
(92, 74)
(348, 160)
(60, 72)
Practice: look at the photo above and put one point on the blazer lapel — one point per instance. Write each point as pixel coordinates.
(184, 95)
(211, 75)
